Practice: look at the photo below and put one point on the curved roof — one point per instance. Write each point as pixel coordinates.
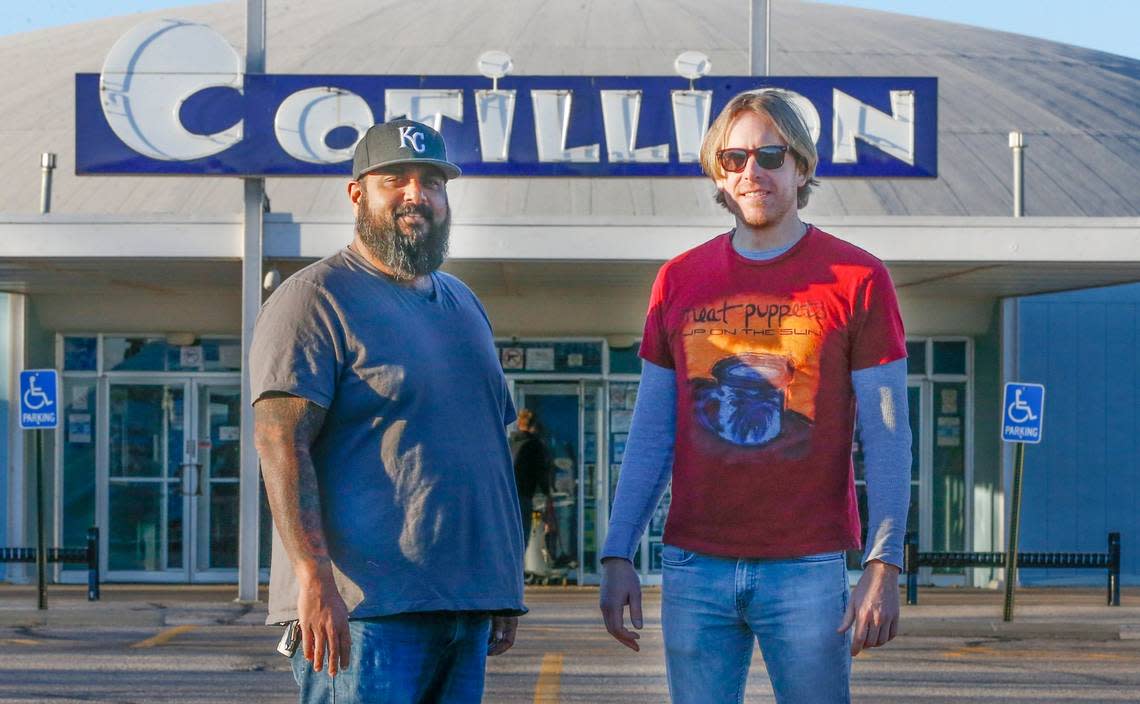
(1079, 109)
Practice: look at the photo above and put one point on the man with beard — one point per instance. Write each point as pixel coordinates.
(380, 415)
(760, 348)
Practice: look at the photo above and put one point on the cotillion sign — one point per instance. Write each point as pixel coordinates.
(172, 99)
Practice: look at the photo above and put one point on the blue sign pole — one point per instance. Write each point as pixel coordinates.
(39, 411)
(1023, 410)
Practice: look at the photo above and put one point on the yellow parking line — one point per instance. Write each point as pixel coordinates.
(163, 637)
(548, 689)
(18, 641)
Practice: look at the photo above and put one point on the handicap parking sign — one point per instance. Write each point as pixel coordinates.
(39, 399)
(1023, 410)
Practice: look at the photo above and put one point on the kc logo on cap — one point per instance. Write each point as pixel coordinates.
(412, 138)
(400, 142)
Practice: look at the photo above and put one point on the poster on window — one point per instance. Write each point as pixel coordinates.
(949, 431)
(79, 396)
(620, 421)
(619, 447)
(950, 401)
(79, 428)
(540, 359)
(513, 358)
(617, 397)
(190, 357)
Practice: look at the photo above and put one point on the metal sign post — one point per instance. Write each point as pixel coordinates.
(39, 405)
(251, 264)
(1024, 410)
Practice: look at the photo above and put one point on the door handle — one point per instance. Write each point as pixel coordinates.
(180, 487)
(183, 477)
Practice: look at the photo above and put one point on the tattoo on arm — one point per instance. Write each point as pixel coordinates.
(285, 428)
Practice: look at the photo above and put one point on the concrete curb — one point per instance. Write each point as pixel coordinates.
(134, 616)
(159, 615)
(996, 628)
(951, 613)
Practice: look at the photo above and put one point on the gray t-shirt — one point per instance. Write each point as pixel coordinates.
(414, 470)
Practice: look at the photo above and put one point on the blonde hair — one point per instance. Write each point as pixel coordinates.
(776, 106)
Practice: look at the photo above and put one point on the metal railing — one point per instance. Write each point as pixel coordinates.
(1110, 561)
(87, 555)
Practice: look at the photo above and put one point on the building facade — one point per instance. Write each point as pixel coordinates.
(132, 285)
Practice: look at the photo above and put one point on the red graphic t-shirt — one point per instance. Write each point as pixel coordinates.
(763, 353)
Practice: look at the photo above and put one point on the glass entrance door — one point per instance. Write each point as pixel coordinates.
(147, 477)
(569, 417)
(216, 488)
(171, 512)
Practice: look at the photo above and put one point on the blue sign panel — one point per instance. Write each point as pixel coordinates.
(303, 125)
(39, 399)
(1024, 411)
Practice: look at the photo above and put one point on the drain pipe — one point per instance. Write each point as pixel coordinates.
(1017, 146)
(47, 164)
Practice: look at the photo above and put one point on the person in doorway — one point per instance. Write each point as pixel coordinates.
(761, 346)
(380, 415)
(532, 466)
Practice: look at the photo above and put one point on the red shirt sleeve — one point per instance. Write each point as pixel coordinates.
(655, 338)
(878, 336)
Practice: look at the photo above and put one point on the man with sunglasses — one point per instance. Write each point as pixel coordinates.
(761, 347)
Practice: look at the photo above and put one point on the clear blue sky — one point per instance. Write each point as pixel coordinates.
(1107, 25)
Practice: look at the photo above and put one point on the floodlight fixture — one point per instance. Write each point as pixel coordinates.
(494, 64)
(692, 65)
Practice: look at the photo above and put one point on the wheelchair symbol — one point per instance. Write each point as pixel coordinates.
(1019, 411)
(34, 397)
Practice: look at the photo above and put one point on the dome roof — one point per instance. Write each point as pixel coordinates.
(1079, 109)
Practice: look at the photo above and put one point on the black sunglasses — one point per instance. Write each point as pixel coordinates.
(734, 159)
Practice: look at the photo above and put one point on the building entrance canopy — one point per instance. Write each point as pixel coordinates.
(976, 258)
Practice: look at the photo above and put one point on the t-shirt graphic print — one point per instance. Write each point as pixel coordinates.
(752, 366)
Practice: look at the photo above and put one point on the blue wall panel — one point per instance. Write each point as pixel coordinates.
(1122, 426)
(1081, 481)
(5, 399)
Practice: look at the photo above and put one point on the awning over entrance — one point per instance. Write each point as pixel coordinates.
(975, 258)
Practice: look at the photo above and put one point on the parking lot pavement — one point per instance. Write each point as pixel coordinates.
(209, 650)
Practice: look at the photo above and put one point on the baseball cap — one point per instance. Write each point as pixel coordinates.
(401, 142)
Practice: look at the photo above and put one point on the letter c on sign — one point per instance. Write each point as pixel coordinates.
(151, 71)
(304, 121)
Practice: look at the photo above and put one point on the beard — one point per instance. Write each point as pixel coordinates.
(407, 250)
(773, 214)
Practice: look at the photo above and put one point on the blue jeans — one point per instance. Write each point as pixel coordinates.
(412, 658)
(713, 607)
